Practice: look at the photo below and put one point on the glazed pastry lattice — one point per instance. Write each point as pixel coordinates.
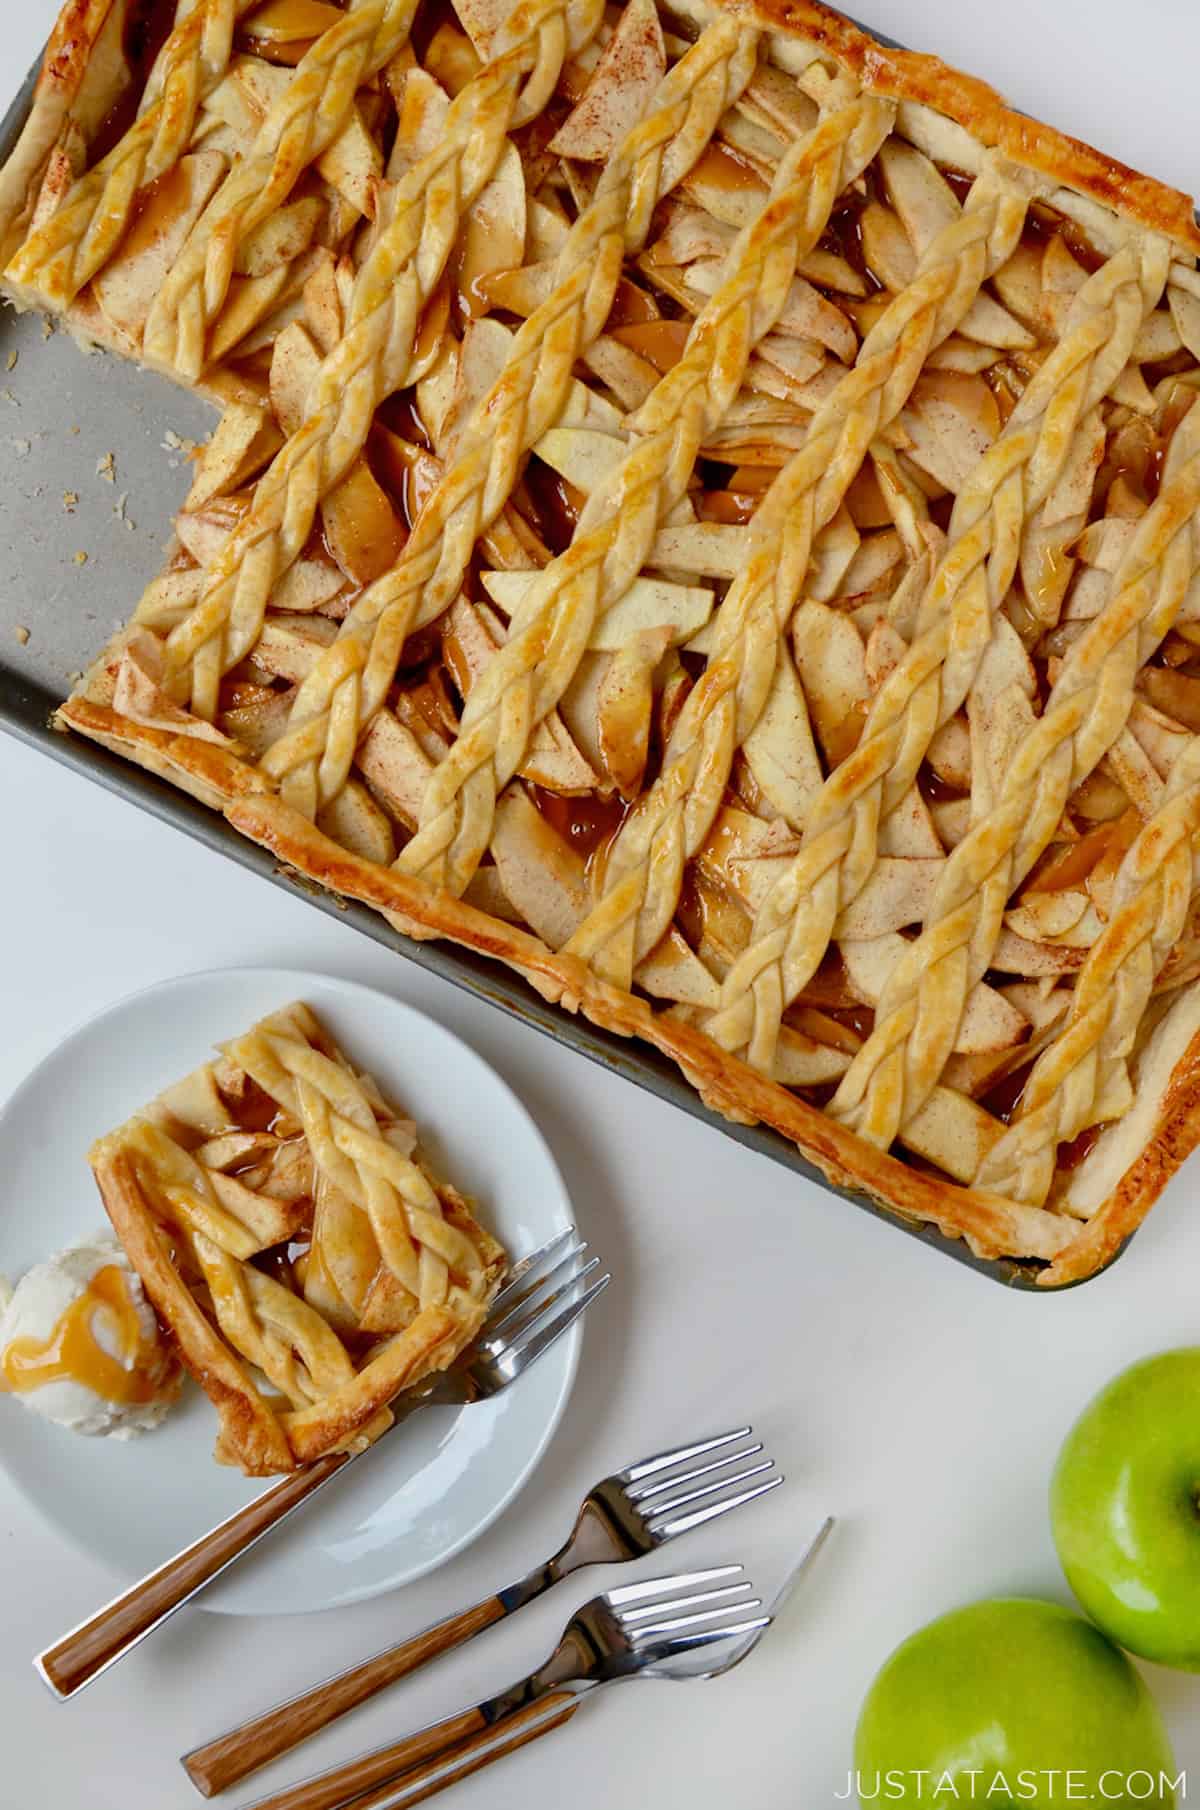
(307, 1261)
(704, 509)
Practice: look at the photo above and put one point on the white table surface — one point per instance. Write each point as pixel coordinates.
(921, 1403)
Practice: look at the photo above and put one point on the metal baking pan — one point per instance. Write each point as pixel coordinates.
(80, 536)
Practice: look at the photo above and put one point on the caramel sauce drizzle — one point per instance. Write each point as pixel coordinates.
(73, 1352)
(585, 822)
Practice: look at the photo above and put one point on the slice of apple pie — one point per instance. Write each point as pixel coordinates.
(704, 510)
(306, 1260)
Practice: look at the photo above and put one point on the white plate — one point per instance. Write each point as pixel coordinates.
(437, 1482)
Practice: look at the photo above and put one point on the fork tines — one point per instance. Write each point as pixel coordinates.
(663, 1494)
(554, 1247)
(540, 1300)
(516, 1315)
(683, 1611)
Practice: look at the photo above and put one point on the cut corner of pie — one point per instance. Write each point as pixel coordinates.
(705, 509)
(306, 1260)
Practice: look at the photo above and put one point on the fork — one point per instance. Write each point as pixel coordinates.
(623, 1517)
(648, 1630)
(530, 1314)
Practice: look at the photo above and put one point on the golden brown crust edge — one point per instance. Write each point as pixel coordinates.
(432, 1342)
(65, 64)
(247, 1426)
(1176, 1135)
(910, 75)
(208, 771)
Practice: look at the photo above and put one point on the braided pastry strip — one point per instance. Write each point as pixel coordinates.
(350, 682)
(287, 1339)
(1082, 1079)
(644, 872)
(375, 356)
(57, 261)
(917, 1019)
(265, 1322)
(530, 672)
(418, 1246)
(186, 1196)
(795, 924)
(308, 118)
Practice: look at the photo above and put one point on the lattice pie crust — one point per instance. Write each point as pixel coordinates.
(704, 510)
(295, 1241)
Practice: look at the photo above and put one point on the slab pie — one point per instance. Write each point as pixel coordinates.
(294, 1239)
(703, 509)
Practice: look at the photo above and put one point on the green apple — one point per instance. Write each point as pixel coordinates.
(1125, 1508)
(1011, 1702)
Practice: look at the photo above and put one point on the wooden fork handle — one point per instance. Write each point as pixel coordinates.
(243, 1750)
(108, 1635)
(343, 1783)
(473, 1755)
(425, 1762)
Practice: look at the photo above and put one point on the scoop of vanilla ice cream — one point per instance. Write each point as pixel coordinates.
(61, 1377)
